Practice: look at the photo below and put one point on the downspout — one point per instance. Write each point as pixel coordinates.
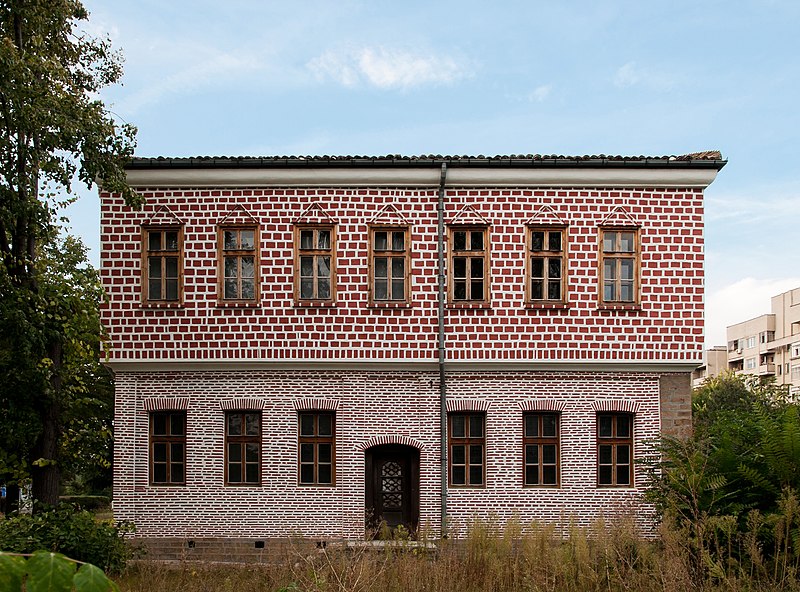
(442, 350)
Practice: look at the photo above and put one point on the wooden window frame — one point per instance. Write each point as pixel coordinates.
(242, 441)
(391, 255)
(238, 253)
(162, 253)
(169, 439)
(314, 252)
(618, 256)
(467, 441)
(315, 439)
(547, 254)
(615, 442)
(471, 255)
(539, 440)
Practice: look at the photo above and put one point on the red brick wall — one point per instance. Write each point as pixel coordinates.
(399, 406)
(668, 328)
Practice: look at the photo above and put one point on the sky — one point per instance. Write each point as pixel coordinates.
(374, 77)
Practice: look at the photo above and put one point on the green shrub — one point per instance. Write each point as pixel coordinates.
(70, 531)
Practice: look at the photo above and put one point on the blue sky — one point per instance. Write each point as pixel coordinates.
(264, 78)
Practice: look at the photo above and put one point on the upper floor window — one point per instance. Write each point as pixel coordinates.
(238, 263)
(540, 441)
(243, 448)
(468, 270)
(315, 264)
(467, 447)
(163, 263)
(389, 264)
(619, 255)
(615, 449)
(316, 440)
(546, 265)
(168, 448)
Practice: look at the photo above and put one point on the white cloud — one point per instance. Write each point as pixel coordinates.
(632, 74)
(540, 93)
(210, 67)
(387, 68)
(743, 300)
(764, 204)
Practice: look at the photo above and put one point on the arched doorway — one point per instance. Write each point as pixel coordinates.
(392, 487)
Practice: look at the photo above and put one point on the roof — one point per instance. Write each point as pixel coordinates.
(699, 160)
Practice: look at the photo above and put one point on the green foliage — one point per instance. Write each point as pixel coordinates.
(76, 533)
(53, 130)
(732, 488)
(51, 572)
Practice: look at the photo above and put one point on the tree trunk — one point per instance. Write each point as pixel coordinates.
(46, 478)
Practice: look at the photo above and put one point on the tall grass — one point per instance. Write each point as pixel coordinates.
(512, 557)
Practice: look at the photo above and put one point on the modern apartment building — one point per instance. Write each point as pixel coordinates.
(769, 345)
(715, 360)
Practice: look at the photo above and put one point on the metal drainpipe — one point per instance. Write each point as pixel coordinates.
(442, 350)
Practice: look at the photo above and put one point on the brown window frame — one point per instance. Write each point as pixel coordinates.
(163, 253)
(169, 440)
(618, 256)
(471, 255)
(539, 441)
(391, 254)
(238, 253)
(316, 440)
(546, 253)
(241, 442)
(315, 253)
(467, 441)
(615, 442)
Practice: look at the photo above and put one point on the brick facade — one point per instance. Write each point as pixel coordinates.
(375, 365)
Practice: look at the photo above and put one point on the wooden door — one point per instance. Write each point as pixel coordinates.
(392, 487)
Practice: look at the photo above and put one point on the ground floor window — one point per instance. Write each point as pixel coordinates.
(467, 447)
(316, 448)
(168, 448)
(540, 442)
(242, 448)
(615, 449)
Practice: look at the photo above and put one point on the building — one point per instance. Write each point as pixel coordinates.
(715, 361)
(288, 362)
(769, 345)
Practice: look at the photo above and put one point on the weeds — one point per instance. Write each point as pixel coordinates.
(512, 557)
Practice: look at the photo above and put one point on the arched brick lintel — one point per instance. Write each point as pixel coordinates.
(316, 404)
(542, 405)
(241, 404)
(454, 405)
(390, 439)
(620, 405)
(165, 403)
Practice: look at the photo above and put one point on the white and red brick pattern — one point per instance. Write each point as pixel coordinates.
(396, 400)
(669, 326)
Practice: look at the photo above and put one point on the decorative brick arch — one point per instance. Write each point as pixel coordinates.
(620, 405)
(390, 439)
(454, 405)
(316, 404)
(241, 404)
(165, 403)
(542, 405)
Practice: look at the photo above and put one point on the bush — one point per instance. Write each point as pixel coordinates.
(70, 531)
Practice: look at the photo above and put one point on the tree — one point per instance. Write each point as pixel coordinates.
(52, 131)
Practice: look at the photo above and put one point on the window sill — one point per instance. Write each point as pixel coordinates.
(541, 486)
(317, 485)
(547, 305)
(244, 485)
(620, 307)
